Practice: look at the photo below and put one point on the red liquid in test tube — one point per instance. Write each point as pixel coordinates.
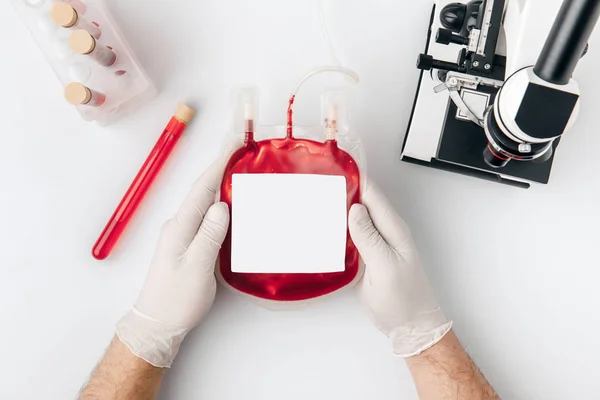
(142, 182)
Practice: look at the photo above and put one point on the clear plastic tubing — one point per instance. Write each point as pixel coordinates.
(66, 16)
(142, 182)
(82, 42)
(78, 94)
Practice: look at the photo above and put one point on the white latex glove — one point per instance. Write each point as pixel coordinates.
(180, 286)
(394, 289)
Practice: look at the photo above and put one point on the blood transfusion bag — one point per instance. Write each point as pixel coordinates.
(295, 155)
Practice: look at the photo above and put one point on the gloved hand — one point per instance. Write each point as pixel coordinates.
(180, 286)
(394, 289)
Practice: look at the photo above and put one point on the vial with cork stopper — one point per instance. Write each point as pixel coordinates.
(66, 16)
(78, 94)
(82, 42)
(76, 4)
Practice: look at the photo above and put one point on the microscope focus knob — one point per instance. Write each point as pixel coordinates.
(453, 16)
(444, 36)
(425, 62)
(447, 36)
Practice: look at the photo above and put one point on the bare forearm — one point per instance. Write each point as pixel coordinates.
(446, 372)
(121, 375)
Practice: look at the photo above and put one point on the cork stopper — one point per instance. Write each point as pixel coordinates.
(63, 14)
(82, 42)
(184, 113)
(77, 94)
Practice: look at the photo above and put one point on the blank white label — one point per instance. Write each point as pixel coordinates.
(288, 223)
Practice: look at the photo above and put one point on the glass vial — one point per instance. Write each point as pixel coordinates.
(78, 94)
(82, 42)
(66, 16)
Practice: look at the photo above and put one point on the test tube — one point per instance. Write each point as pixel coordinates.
(82, 42)
(78, 94)
(142, 182)
(66, 16)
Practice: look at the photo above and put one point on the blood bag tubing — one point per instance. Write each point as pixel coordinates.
(142, 182)
(353, 76)
(78, 94)
(82, 42)
(65, 15)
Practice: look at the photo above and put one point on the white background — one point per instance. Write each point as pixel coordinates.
(517, 270)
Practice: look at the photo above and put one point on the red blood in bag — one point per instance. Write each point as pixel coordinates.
(291, 156)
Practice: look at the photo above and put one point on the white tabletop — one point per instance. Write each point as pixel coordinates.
(517, 270)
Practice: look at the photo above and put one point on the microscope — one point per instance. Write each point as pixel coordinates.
(497, 76)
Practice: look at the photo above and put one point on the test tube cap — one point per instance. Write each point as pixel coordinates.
(77, 94)
(82, 42)
(184, 113)
(63, 14)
